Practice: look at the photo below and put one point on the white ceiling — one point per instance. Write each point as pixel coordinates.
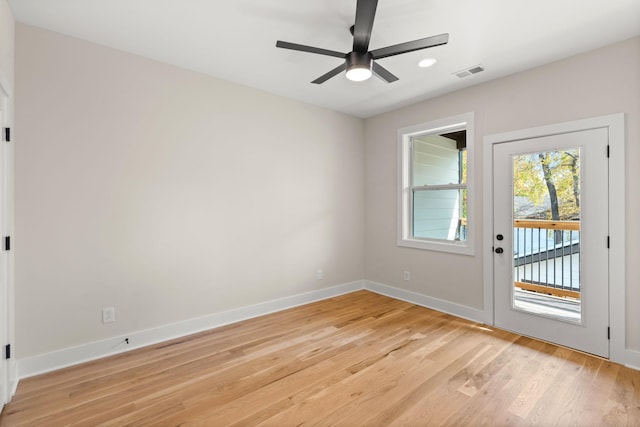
(235, 39)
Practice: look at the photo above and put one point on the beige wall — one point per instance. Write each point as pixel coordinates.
(601, 82)
(169, 194)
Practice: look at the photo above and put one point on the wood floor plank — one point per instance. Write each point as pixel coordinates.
(357, 359)
(538, 384)
(425, 405)
(572, 379)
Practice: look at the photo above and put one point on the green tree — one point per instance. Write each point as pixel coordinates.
(553, 174)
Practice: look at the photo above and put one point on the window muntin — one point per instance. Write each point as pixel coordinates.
(435, 166)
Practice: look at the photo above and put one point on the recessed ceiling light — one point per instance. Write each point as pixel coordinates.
(427, 62)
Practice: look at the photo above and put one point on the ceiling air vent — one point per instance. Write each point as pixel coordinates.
(469, 71)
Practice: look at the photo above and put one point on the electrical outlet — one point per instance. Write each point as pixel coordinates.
(108, 315)
(320, 274)
(407, 275)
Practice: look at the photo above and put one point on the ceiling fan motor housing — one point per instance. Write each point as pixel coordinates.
(359, 60)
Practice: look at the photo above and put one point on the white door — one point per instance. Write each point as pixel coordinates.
(4, 262)
(551, 238)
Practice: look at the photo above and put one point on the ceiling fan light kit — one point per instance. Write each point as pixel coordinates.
(359, 74)
(360, 63)
(359, 66)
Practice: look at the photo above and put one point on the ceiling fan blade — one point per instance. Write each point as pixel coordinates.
(310, 49)
(365, 14)
(410, 46)
(383, 73)
(323, 78)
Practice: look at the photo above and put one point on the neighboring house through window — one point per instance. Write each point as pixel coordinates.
(436, 188)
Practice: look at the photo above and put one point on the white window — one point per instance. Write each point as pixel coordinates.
(436, 189)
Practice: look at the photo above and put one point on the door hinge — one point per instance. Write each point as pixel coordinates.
(7, 351)
(7, 243)
(607, 151)
(608, 332)
(7, 134)
(608, 242)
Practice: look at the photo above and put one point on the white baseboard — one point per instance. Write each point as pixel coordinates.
(458, 310)
(47, 362)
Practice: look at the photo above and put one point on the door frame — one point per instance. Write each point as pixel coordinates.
(615, 125)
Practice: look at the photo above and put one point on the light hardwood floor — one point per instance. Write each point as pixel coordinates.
(358, 359)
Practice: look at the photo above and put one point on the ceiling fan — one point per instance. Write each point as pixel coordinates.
(360, 62)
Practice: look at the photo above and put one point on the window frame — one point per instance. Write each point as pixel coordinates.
(405, 236)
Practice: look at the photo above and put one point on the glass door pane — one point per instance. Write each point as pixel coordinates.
(546, 234)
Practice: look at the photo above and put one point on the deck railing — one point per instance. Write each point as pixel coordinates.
(547, 256)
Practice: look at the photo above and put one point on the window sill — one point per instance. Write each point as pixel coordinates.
(462, 248)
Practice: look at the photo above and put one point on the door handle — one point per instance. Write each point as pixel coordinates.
(499, 250)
